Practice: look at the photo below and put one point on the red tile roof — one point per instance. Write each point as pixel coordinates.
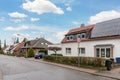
(93, 39)
(81, 28)
(19, 46)
(76, 30)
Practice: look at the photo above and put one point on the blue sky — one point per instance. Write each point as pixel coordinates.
(51, 18)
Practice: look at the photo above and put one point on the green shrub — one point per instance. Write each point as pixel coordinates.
(1, 51)
(30, 53)
(57, 54)
(89, 61)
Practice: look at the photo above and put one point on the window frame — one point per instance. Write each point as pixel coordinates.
(81, 51)
(68, 50)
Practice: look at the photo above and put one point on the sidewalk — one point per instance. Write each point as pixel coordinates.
(113, 74)
(1, 76)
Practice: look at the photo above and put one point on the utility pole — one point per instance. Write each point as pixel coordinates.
(78, 41)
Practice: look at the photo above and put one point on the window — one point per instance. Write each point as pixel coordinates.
(68, 50)
(71, 37)
(68, 38)
(82, 50)
(103, 52)
(79, 36)
(83, 35)
(98, 52)
(107, 52)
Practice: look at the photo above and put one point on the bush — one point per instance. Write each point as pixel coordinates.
(1, 51)
(30, 53)
(89, 61)
(10, 54)
(57, 54)
(20, 55)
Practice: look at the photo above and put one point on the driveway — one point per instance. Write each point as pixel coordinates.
(14, 68)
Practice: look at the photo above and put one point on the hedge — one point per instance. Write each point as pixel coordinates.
(87, 61)
(57, 54)
(30, 53)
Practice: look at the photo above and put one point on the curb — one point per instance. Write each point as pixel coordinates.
(74, 68)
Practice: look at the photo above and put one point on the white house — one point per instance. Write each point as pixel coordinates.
(97, 40)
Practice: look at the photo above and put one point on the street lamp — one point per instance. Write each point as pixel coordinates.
(78, 41)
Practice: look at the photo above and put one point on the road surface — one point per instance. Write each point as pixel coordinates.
(14, 68)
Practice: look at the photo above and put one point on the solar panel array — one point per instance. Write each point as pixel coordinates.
(106, 28)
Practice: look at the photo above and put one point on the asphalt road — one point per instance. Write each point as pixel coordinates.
(14, 68)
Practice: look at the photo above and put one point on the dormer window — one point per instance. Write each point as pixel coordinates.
(83, 35)
(79, 35)
(42, 43)
(68, 38)
(71, 37)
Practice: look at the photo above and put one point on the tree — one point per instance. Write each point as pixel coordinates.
(5, 44)
(17, 41)
(1, 50)
(54, 49)
(30, 53)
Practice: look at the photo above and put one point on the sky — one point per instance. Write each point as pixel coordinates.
(51, 19)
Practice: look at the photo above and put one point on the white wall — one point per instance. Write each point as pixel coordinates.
(55, 45)
(89, 47)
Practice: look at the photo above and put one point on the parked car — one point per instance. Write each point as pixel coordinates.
(39, 55)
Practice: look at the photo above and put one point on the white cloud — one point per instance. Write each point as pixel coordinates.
(41, 6)
(34, 19)
(17, 15)
(21, 35)
(60, 35)
(103, 16)
(69, 8)
(47, 29)
(16, 20)
(76, 23)
(23, 27)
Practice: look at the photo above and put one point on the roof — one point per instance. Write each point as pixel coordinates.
(106, 28)
(92, 39)
(100, 31)
(81, 29)
(78, 30)
(38, 43)
(20, 45)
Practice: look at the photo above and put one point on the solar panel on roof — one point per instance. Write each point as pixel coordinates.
(106, 28)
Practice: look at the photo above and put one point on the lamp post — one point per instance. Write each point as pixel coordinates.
(78, 41)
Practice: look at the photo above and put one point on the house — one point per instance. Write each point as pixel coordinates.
(54, 45)
(17, 48)
(97, 40)
(38, 45)
(5, 49)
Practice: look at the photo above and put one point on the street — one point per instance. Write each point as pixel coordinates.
(14, 68)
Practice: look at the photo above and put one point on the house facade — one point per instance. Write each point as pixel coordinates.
(38, 44)
(98, 40)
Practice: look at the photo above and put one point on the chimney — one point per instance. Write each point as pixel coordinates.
(82, 25)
